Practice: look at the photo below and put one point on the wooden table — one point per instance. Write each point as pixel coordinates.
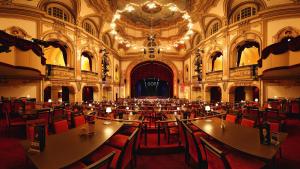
(64, 149)
(244, 139)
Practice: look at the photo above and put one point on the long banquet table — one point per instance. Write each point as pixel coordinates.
(244, 139)
(64, 149)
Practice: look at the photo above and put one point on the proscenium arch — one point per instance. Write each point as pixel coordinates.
(127, 82)
(151, 69)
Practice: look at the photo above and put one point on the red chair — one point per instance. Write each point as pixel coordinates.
(217, 159)
(103, 163)
(122, 158)
(79, 120)
(295, 107)
(247, 123)
(61, 126)
(231, 118)
(193, 149)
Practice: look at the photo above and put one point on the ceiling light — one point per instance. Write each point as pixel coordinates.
(173, 8)
(113, 25)
(186, 16)
(189, 32)
(127, 45)
(129, 8)
(116, 16)
(190, 25)
(113, 32)
(151, 5)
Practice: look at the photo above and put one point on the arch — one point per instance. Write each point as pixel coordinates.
(59, 87)
(216, 61)
(215, 96)
(17, 31)
(72, 6)
(56, 36)
(153, 73)
(90, 26)
(127, 73)
(87, 58)
(238, 40)
(238, 93)
(211, 28)
(92, 95)
(288, 31)
(196, 39)
(229, 9)
(106, 38)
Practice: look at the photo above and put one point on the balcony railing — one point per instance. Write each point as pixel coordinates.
(214, 76)
(89, 76)
(59, 72)
(243, 72)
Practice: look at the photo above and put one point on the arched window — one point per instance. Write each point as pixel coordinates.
(89, 27)
(86, 61)
(213, 27)
(244, 12)
(60, 12)
(247, 53)
(216, 61)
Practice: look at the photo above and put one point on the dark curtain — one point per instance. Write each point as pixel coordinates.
(90, 57)
(215, 94)
(47, 94)
(87, 94)
(65, 94)
(214, 57)
(286, 44)
(239, 94)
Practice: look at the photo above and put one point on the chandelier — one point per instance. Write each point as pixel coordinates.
(151, 6)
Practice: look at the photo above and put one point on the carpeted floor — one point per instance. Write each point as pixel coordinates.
(12, 155)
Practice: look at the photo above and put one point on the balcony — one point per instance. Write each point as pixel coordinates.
(89, 76)
(60, 72)
(248, 72)
(214, 76)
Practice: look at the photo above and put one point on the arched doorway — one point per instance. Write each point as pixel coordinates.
(87, 94)
(215, 94)
(47, 94)
(151, 78)
(246, 93)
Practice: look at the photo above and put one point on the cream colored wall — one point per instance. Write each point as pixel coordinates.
(21, 88)
(274, 26)
(85, 10)
(282, 91)
(29, 26)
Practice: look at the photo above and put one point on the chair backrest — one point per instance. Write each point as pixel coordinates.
(192, 146)
(274, 127)
(127, 151)
(213, 154)
(44, 114)
(79, 120)
(182, 134)
(247, 123)
(58, 113)
(231, 118)
(103, 163)
(61, 126)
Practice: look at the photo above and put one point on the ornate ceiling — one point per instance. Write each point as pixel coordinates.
(150, 20)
